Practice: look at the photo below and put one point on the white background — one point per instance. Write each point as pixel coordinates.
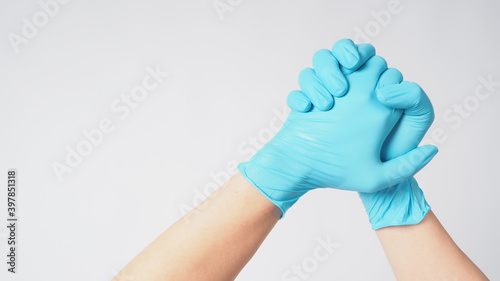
(229, 72)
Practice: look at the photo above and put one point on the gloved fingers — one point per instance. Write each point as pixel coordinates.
(417, 117)
(366, 51)
(298, 101)
(346, 52)
(314, 89)
(331, 74)
(351, 56)
(408, 96)
(390, 77)
(405, 136)
(406, 165)
(374, 67)
(328, 71)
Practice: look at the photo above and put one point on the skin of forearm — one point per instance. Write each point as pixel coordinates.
(425, 251)
(212, 242)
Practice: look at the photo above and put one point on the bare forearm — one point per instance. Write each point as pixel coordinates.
(425, 251)
(212, 242)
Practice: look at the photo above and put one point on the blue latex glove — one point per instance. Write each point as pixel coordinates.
(404, 203)
(338, 148)
(329, 69)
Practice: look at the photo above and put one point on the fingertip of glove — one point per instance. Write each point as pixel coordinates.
(346, 53)
(327, 105)
(429, 152)
(297, 101)
(433, 150)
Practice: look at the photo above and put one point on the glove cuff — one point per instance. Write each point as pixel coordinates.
(402, 204)
(272, 184)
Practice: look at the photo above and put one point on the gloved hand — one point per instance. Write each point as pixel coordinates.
(338, 148)
(404, 203)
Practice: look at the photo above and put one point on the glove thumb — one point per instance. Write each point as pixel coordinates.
(407, 165)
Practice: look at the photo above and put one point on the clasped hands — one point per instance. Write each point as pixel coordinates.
(355, 125)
